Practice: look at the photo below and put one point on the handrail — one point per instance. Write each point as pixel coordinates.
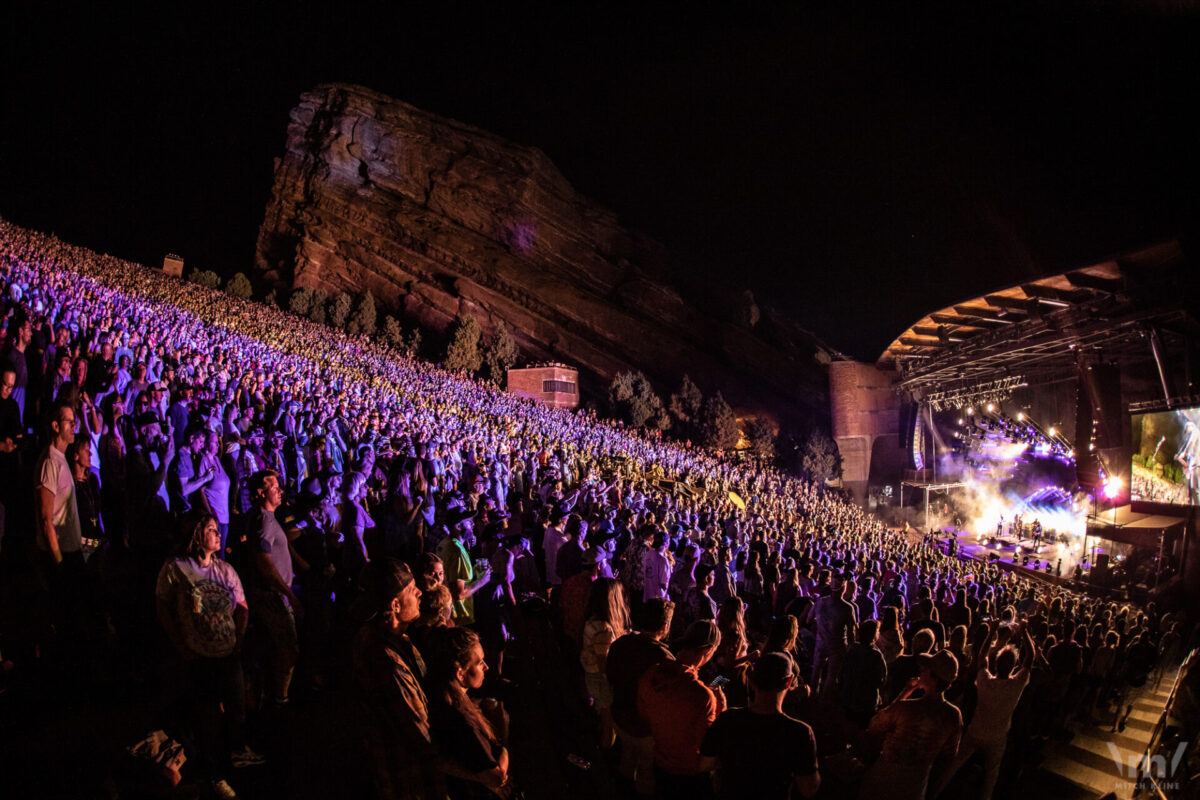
(1149, 781)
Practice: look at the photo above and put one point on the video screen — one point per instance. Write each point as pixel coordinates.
(1166, 457)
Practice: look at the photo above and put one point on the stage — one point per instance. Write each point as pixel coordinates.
(1021, 556)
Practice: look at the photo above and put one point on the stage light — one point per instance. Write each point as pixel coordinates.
(1112, 487)
(1053, 432)
(1020, 416)
(991, 407)
(971, 410)
(960, 421)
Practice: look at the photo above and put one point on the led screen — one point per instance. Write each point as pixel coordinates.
(1166, 457)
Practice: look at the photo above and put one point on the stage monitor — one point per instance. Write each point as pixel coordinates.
(1166, 457)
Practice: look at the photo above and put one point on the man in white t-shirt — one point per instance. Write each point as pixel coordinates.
(59, 532)
(656, 569)
(999, 693)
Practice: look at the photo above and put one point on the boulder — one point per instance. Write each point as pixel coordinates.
(438, 218)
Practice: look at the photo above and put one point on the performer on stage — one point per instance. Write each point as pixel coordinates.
(1189, 457)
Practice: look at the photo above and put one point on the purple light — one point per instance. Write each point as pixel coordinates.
(520, 237)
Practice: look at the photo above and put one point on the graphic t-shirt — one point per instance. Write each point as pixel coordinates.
(203, 600)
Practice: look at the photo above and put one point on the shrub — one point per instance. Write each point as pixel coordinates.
(206, 278)
(316, 311)
(239, 286)
(301, 301)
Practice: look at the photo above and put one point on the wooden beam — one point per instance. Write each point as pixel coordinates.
(913, 341)
(1052, 293)
(984, 312)
(1047, 295)
(1083, 279)
(943, 333)
(1028, 306)
(972, 322)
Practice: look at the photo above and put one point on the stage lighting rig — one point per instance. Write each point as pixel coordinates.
(988, 394)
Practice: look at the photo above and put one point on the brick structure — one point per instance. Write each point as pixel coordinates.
(173, 265)
(556, 385)
(864, 409)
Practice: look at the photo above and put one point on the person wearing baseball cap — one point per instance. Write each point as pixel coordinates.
(387, 672)
(679, 708)
(920, 730)
(759, 751)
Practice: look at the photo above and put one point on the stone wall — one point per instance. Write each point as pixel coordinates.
(864, 408)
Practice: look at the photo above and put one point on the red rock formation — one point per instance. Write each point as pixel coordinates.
(440, 218)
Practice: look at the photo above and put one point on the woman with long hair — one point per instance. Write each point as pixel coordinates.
(202, 608)
(607, 620)
(471, 745)
(357, 526)
(752, 586)
(782, 636)
(733, 651)
(410, 497)
(891, 638)
(431, 572)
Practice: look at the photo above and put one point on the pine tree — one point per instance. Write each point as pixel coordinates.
(685, 407)
(239, 286)
(821, 460)
(339, 310)
(463, 351)
(363, 321)
(316, 311)
(718, 424)
(412, 346)
(501, 355)
(300, 303)
(393, 333)
(632, 399)
(761, 438)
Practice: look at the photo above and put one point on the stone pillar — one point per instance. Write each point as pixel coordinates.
(864, 408)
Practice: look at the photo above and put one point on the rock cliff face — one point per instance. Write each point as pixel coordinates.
(438, 218)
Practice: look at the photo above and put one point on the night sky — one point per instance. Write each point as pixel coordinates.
(854, 168)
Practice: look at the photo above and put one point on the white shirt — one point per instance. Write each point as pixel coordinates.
(998, 698)
(656, 575)
(54, 474)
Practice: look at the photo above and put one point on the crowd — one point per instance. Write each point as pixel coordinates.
(291, 506)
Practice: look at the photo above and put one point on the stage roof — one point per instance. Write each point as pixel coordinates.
(1126, 518)
(1037, 330)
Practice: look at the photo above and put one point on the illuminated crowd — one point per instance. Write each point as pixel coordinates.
(278, 507)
